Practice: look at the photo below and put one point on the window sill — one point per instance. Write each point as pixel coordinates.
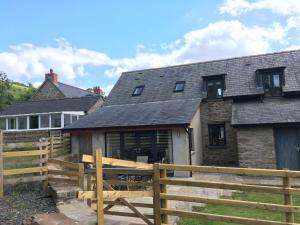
(216, 147)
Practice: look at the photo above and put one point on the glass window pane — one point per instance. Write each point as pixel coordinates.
(67, 119)
(216, 135)
(2, 123)
(113, 145)
(22, 123)
(74, 118)
(44, 121)
(276, 80)
(55, 120)
(34, 122)
(11, 123)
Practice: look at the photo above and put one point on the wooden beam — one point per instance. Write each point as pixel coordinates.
(62, 180)
(126, 194)
(64, 163)
(231, 202)
(25, 170)
(288, 199)
(24, 153)
(99, 178)
(222, 218)
(135, 204)
(231, 170)
(231, 186)
(1, 165)
(63, 173)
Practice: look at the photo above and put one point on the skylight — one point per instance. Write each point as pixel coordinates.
(179, 86)
(138, 91)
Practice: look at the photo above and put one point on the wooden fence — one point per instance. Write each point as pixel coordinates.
(58, 145)
(17, 164)
(66, 172)
(161, 196)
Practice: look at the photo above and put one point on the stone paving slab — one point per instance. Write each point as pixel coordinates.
(52, 219)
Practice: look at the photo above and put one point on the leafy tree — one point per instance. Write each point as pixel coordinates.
(6, 97)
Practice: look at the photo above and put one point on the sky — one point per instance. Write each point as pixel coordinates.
(90, 43)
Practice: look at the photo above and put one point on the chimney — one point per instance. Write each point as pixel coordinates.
(51, 76)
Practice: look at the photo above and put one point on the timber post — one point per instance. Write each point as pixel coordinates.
(51, 146)
(99, 181)
(1, 165)
(288, 198)
(81, 175)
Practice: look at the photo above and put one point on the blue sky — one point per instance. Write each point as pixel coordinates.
(90, 43)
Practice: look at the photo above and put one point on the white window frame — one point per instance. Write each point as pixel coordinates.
(72, 113)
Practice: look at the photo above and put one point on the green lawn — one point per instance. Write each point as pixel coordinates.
(243, 212)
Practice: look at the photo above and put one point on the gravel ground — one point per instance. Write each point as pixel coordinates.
(22, 201)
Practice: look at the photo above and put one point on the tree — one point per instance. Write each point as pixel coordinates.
(6, 97)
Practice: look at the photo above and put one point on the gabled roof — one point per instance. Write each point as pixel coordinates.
(240, 79)
(54, 105)
(71, 91)
(270, 111)
(162, 113)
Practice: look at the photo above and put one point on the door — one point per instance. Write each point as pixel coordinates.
(287, 142)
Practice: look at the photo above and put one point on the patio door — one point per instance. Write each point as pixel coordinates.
(137, 144)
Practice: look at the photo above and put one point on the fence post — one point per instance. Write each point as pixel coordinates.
(45, 163)
(89, 188)
(288, 198)
(1, 165)
(99, 180)
(51, 146)
(81, 175)
(156, 194)
(164, 203)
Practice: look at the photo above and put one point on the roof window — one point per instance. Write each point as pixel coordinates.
(179, 86)
(138, 90)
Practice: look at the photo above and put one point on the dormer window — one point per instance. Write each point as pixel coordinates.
(271, 80)
(179, 86)
(138, 90)
(214, 86)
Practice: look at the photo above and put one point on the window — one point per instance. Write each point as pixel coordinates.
(138, 91)
(74, 118)
(12, 124)
(44, 121)
(67, 119)
(34, 122)
(55, 120)
(2, 124)
(271, 80)
(22, 123)
(216, 135)
(179, 86)
(214, 87)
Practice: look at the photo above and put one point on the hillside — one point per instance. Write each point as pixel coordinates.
(21, 92)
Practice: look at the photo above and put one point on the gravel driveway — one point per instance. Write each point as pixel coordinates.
(23, 200)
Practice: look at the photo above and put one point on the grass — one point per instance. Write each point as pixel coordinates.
(243, 212)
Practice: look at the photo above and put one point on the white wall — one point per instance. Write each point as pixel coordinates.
(98, 141)
(197, 153)
(180, 149)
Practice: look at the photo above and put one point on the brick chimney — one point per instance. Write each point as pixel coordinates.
(51, 76)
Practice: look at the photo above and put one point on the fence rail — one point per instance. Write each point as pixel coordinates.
(103, 193)
(17, 164)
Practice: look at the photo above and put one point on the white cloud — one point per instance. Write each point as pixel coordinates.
(282, 7)
(218, 40)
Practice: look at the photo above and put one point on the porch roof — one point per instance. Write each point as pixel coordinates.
(55, 105)
(173, 112)
(270, 111)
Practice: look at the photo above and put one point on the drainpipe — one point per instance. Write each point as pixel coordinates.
(189, 133)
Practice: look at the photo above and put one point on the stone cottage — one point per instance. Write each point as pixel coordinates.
(54, 106)
(242, 111)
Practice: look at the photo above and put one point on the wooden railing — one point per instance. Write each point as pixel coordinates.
(58, 145)
(66, 173)
(161, 196)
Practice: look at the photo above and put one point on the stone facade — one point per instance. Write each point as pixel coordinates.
(256, 147)
(218, 112)
(47, 91)
(28, 136)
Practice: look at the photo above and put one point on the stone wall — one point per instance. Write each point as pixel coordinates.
(256, 147)
(27, 136)
(218, 112)
(47, 91)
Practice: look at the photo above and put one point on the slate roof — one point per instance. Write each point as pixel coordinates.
(72, 92)
(161, 113)
(122, 109)
(55, 105)
(240, 78)
(270, 111)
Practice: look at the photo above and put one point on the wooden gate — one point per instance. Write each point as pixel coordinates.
(107, 189)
